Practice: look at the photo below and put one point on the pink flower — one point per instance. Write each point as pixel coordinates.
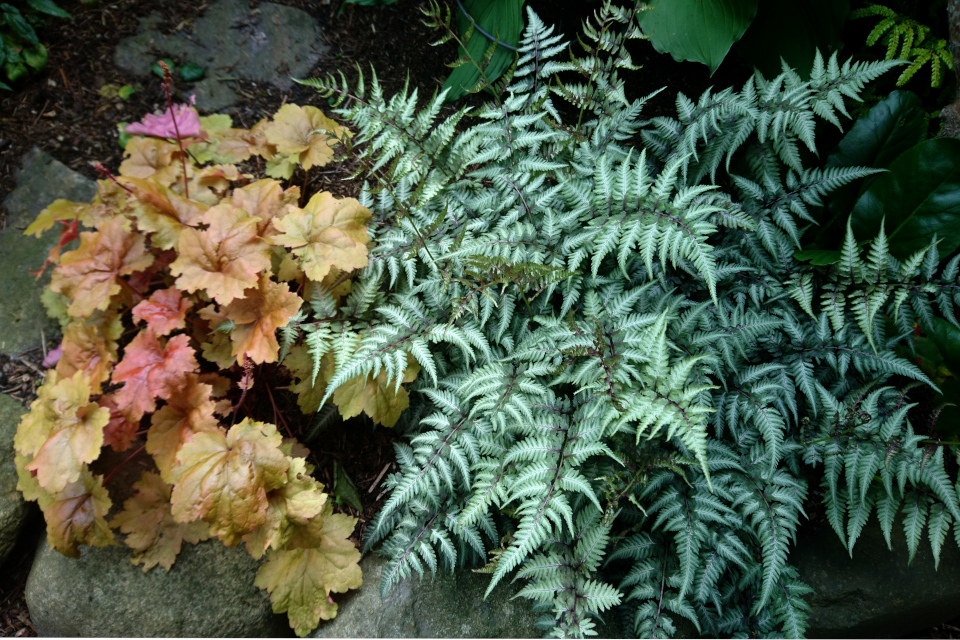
(53, 357)
(162, 126)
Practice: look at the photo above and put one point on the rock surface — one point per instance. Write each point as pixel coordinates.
(269, 44)
(449, 606)
(40, 181)
(876, 594)
(13, 510)
(209, 592)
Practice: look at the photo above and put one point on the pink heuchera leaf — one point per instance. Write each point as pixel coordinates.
(53, 357)
(162, 126)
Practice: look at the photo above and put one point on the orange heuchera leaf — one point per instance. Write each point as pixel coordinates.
(300, 580)
(223, 260)
(327, 233)
(163, 212)
(164, 311)
(90, 275)
(257, 316)
(240, 144)
(63, 431)
(152, 371)
(151, 158)
(120, 432)
(381, 401)
(304, 131)
(77, 515)
(188, 411)
(151, 530)
(224, 478)
(292, 505)
(91, 347)
(264, 199)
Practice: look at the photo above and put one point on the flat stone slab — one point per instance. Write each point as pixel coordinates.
(875, 594)
(271, 43)
(208, 592)
(40, 181)
(13, 510)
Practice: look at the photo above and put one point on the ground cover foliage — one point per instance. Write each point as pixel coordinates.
(624, 372)
(186, 268)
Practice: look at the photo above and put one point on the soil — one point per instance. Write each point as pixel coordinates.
(60, 110)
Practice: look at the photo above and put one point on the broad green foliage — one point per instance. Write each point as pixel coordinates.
(20, 49)
(624, 369)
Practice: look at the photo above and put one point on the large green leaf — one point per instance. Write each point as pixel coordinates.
(19, 25)
(919, 197)
(697, 30)
(946, 337)
(793, 30)
(36, 57)
(890, 128)
(48, 7)
(500, 18)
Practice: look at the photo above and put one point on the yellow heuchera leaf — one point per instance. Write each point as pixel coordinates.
(60, 210)
(304, 131)
(290, 506)
(257, 316)
(327, 233)
(63, 431)
(300, 580)
(187, 412)
(90, 275)
(381, 401)
(77, 515)
(224, 478)
(239, 144)
(224, 259)
(90, 346)
(264, 199)
(163, 212)
(150, 527)
(149, 157)
(300, 363)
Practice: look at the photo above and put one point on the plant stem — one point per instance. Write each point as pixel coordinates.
(117, 468)
(167, 79)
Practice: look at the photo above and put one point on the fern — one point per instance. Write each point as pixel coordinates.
(626, 369)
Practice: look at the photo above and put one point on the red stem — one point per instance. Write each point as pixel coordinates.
(110, 475)
(176, 129)
(277, 414)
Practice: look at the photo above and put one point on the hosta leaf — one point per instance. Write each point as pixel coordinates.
(150, 527)
(300, 580)
(224, 478)
(328, 232)
(697, 30)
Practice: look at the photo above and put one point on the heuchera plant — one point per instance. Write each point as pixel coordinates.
(169, 309)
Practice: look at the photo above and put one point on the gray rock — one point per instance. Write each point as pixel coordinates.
(268, 44)
(40, 181)
(208, 592)
(13, 510)
(449, 606)
(876, 594)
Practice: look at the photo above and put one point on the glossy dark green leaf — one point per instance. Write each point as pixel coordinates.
(500, 18)
(3, 50)
(192, 72)
(35, 57)
(125, 92)
(14, 70)
(344, 489)
(919, 197)
(818, 257)
(697, 30)
(48, 7)
(946, 338)
(793, 30)
(20, 27)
